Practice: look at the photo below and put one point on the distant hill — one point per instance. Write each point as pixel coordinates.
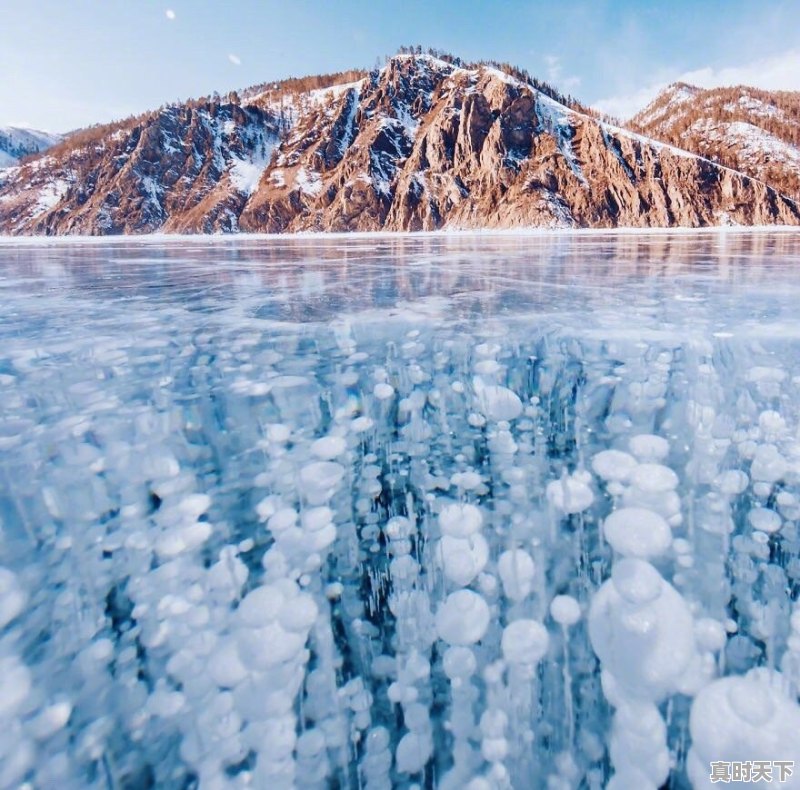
(748, 129)
(16, 143)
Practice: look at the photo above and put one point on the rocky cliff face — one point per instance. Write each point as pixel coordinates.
(420, 144)
(754, 131)
(188, 168)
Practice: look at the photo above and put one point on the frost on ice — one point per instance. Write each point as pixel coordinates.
(252, 541)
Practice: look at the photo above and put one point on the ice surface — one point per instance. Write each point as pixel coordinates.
(461, 511)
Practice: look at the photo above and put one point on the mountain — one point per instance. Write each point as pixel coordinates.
(422, 143)
(17, 143)
(748, 129)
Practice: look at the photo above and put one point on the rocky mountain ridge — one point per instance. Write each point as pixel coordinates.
(420, 144)
(754, 131)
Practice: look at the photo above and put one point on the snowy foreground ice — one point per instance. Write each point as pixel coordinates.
(453, 512)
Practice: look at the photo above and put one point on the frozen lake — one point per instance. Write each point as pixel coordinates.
(438, 511)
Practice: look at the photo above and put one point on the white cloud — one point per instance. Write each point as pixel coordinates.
(169, 14)
(235, 59)
(555, 74)
(777, 72)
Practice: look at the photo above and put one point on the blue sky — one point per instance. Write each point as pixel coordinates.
(68, 63)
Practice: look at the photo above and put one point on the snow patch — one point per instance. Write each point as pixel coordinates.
(557, 120)
(50, 195)
(246, 172)
(754, 145)
(309, 181)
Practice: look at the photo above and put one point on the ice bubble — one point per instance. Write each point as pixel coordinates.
(462, 558)
(279, 433)
(768, 464)
(496, 402)
(383, 391)
(260, 606)
(638, 743)
(731, 482)
(361, 424)
(493, 723)
(309, 747)
(641, 629)
(51, 720)
(463, 618)
(571, 494)
(466, 480)
(399, 528)
(328, 447)
(762, 489)
(224, 665)
(282, 520)
(315, 518)
(654, 478)
(460, 521)
(299, 615)
(764, 519)
(319, 480)
(267, 647)
(459, 662)
(614, 465)
(413, 752)
(636, 532)
(524, 642)
(636, 581)
(747, 717)
(649, 448)
(178, 540)
(772, 425)
(15, 685)
(710, 634)
(565, 610)
(516, 569)
(267, 507)
(165, 703)
(194, 505)
(494, 750)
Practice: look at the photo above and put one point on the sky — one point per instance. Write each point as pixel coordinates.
(69, 63)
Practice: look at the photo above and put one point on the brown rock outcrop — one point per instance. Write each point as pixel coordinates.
(754, 131)
(419, 145)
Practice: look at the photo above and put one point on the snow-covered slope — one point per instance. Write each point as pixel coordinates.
(17, 142)
(752, 130)
(420, 144)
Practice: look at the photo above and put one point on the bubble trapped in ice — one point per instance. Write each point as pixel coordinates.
(494, 533)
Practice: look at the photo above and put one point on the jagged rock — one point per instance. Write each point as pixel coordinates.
(748, 129)
(419, 145)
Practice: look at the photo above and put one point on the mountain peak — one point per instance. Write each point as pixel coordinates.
(425, 142)
(665, 103)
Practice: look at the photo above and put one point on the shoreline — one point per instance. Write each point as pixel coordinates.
(532, 232)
